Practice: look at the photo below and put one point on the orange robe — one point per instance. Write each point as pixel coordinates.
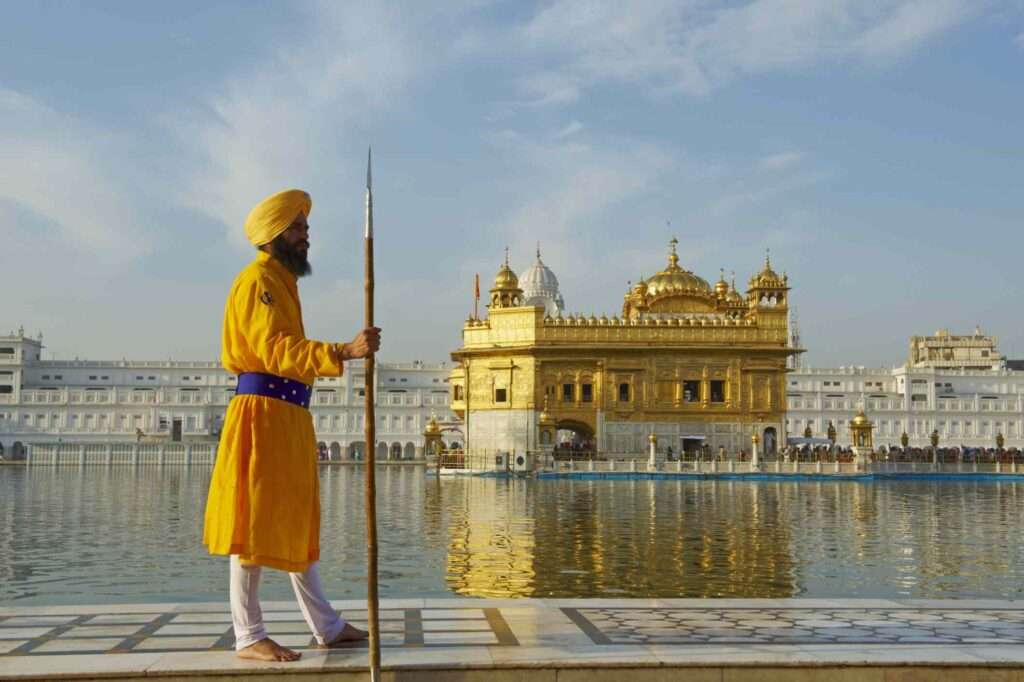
(264, 501)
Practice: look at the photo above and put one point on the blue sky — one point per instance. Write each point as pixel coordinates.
(874, 146)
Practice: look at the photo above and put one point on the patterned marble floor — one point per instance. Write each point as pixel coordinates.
(140, 640)
(121, 633)
(800, 626)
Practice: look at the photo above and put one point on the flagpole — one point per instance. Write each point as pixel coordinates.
(371, 447)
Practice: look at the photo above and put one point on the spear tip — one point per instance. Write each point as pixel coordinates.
(369, 160)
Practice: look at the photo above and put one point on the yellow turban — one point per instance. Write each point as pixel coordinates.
(273, 215)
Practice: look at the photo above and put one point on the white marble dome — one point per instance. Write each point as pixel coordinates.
(540, 287)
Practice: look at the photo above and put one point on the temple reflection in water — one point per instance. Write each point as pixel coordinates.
(522, 538)
(629, 538)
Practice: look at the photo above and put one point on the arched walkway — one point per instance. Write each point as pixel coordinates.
(17, 450)
(410, 451)
(382, 450)
(770, 440)
(356, 450)
(335, 451)
(396, 451)
(574, 439)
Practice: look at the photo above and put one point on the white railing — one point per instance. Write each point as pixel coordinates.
(120, 454)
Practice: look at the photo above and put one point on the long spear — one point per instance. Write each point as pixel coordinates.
(371, 443)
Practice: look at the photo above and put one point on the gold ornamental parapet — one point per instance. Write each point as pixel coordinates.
(526, 326)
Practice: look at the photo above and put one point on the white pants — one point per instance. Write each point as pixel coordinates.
(247, 617)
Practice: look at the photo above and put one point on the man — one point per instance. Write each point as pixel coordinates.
(264, 503)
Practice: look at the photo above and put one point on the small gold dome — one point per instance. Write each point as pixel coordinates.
(506, 292)
(768, 278)
(734, 297)
(861, 419)
(545, 419)
(506, 279)
(721, 286)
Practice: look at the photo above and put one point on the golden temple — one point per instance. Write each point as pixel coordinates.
(699, 366)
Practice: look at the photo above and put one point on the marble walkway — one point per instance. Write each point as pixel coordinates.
(539, 639)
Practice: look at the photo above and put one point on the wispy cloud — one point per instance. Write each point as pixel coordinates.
(570, 185)
(63, 173)
(691, 47)
(765, 179)
(571, 129)
(281, 124)
(911, 23)
(779, 161)
(284, 121)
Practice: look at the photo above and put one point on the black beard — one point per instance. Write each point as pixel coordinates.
(294, 260)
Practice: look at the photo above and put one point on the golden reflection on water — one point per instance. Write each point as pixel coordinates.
(515, 538)
(627, 538)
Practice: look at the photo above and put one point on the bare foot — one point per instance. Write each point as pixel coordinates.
(268, 650)
(349, 634)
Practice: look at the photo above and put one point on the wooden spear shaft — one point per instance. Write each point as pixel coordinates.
(371, 446)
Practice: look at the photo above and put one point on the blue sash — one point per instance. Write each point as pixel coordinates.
(272, 386)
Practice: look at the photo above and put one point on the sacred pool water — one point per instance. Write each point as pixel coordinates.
(89, 535)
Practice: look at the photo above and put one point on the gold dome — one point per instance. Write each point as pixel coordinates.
(506, 292)
(861, 419)
(721, 286)
(432, 427)
(734, 297)
(674, 278)
(506, 279)
(545, 418)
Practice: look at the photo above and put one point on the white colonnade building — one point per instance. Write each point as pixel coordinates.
(126, 401)
(960, 386)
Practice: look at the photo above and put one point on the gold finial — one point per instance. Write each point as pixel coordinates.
(767, 259)
(538, 250)
(506, 256)
(673, 258)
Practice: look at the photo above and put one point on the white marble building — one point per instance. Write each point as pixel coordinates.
(110, 401)
(958, 385)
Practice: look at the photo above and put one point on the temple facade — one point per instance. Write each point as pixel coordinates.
(696, 364)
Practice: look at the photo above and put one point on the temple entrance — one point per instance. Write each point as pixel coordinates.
(574, 440)
(770, 441)
(691, 446)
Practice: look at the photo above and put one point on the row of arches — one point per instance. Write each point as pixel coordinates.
(15, 451)
(356, 450)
